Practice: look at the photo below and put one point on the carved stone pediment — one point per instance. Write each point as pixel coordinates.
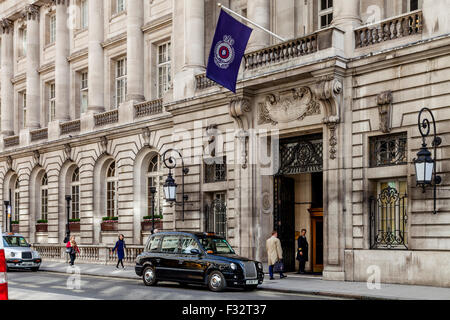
(287, 106)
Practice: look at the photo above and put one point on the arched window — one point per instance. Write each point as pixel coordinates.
(75, 187)
(16, 200)
(111, 190)
(44, 198)
(154, 179)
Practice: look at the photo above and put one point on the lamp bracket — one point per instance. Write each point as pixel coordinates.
(437, 180)
(436, 142)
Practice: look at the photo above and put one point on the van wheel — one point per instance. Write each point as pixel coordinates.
(216, 281)
(149, 276)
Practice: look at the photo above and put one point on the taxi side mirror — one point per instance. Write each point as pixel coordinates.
(196, 251)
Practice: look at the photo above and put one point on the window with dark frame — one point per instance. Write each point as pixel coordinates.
(215, 169)
(388, 150)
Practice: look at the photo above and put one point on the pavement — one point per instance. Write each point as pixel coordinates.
(294, 283)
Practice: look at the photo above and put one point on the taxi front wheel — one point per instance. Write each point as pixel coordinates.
(149, 276)
(216, 281)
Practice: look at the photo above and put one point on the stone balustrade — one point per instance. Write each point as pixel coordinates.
(105, 118)
(202, 82)
(37, 135)
(282, 52)
(389, 29)
(11, 141)
(100, 254)
(148, 108)
(70, 127)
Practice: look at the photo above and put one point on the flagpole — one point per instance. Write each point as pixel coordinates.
(251, 22)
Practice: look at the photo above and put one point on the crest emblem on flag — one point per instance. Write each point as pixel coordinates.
(224, 52)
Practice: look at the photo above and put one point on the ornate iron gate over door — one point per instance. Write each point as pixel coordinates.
(297, 155)
(216, 217)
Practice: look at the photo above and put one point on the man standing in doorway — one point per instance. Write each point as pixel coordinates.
(274, 253)
(302, 252)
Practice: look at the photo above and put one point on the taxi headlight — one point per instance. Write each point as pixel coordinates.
(12, 254)
(260, 266)
(36, 255)
(233, 266)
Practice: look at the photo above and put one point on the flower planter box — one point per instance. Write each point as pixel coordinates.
(15, 228)
(42, 227)
(110, 226)
(74, 226)
(146, 225)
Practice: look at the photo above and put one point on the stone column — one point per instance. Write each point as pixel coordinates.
(259, 12)
(7, 73)
(135, 51)
(188, 46)
(96, 60)
(33, 82)
(62, 68)
(346, 15)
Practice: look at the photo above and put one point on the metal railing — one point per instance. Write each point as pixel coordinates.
(148, 108)
(389, 29)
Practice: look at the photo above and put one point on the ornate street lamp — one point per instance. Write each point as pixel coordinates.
(170, 187)
(68, 199)
(424, 164)
(153, 191)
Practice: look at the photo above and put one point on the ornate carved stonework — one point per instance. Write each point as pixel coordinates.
(266, 202)
(384, 101)
(239, 109)
(211, 132)
(104, 144)
(37, 157)
(287, 106)
(146, 133)
(31, 12)
(9, 162)
(6, 25)
(68, 151)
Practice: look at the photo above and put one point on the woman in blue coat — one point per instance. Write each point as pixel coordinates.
(120, 247)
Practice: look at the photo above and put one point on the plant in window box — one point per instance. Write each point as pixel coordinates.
(146, 224)
(110, 224)
(74, 225)
(15, 226)
(42, 225)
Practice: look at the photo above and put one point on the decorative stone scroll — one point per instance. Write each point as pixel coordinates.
(239, 110)
(31, 12)
(384, 101)
(287, 106)
(6, 26)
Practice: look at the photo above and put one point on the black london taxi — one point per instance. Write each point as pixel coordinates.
(196, 258)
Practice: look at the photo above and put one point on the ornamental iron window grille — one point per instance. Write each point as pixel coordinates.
(388, 150)
(388, 220)
(215, 169)
(216, 215)
(301, 155)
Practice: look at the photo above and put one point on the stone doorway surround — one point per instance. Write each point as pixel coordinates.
(288, 112)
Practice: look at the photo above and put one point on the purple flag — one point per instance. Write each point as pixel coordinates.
(227, 50)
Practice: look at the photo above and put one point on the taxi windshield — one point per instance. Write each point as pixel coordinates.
(13, 241)
(216, 245)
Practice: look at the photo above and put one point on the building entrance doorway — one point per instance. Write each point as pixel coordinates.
(298, 200)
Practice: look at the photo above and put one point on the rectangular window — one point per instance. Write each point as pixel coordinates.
(325, 13)
(414, 5)
(388, 150)
(24, 109)
(75, 202)
(164, 68)
(44, 204)
(84, 96)
(388, 215)
(52, 102)
(120, 5)
(84, 14)
(111, 199)
(121, 81)
(215, 169)
(52, 29)
(23, 52)
(170, 244)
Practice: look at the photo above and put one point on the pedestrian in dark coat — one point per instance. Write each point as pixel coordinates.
(302, 251)
(120, 247)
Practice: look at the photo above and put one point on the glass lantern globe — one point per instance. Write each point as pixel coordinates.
(424, 165)
(170, 189)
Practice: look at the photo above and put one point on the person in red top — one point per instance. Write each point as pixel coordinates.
(72, 244)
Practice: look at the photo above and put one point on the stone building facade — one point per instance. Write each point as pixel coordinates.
(321, 134)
